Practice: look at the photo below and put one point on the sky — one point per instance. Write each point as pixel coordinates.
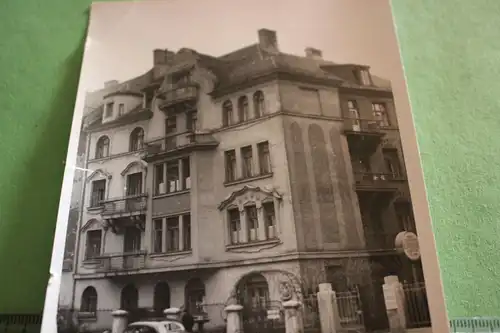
(122, 35)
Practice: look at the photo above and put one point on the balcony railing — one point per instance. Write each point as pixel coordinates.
(179, 94)
(377, 180)
(123, 262)
(354, 125)
(125, 205)
(180, 141)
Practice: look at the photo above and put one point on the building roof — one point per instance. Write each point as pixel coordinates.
(241, 66)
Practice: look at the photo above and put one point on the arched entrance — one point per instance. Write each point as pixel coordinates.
(129, 299)
(194, 294)
(161, 297)
(252, 292)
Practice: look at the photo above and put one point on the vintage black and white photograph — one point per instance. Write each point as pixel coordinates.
(240, 169)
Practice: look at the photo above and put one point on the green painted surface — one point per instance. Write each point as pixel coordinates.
(452, 58)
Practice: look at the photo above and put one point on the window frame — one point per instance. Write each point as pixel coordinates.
(247, 157)
(94, 254)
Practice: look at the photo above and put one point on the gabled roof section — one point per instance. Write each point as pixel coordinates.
(136, 114)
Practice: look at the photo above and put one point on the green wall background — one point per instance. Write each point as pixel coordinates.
(451, 53)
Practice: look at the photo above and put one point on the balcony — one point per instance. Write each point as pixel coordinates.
(363, 135)
(122, 264)
(179, 143)
(368, 181)
(181, 97)
(124, 206)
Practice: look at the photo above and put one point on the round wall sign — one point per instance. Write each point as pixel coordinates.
(407, 242)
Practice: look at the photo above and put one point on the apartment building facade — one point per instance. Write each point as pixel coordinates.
(218, 178)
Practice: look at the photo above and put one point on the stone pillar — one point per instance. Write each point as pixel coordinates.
(293, 322)
(173, 314)
(262, 232)
(394, 304)
(328, 309)
(244, 226)
(233, 322)
(120, 321)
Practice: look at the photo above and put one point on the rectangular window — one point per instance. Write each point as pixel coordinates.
(269, 219)
(159, 177)
(264, 158)
(109, 110)
(380, 114)
(252, 223)
(247, 161)
(134, 184)
(158, 236)
(186, 174)
(132, 240)
(230, 157)
(190, 121)
(404, 213)
(170, 130)
(98, 192)
(392, 164)
(121, 109)
(186, 226)
(234, 226)
(365, 77)
(173, 180)
(173, 234)
(93, 247)
(352, 107)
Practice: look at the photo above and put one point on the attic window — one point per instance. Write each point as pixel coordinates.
(108, 112)
(363, 77)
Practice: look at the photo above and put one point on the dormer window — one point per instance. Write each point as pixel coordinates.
(363, 76)
(108, 112)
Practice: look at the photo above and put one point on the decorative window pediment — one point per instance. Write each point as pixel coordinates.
(249, 195)
(92, 224)
(99, 172)
(140, 164)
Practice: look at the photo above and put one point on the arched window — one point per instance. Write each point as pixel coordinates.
(129, 298)
(102, 147)
(253, 292)
(89, 300)
(259, 104)
(136, 139)
(195, 295)
(227, 113)
(161, 297)
(243, 109)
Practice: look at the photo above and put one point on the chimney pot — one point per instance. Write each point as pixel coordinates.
(313, 53)
(268, 40)
(159, 57)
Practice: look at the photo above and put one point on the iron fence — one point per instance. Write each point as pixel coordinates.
(475, 325)
(416, 305)
(122, 262)
(180, 141)
(350, 312)
(263, 318)
(20, 323)
(310, 314)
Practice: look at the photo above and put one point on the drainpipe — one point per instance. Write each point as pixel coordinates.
(80, 218)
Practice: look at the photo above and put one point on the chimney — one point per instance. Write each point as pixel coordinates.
(110, 83)
(169, 56)
(268, 40)
(159, 57)
(313, 53)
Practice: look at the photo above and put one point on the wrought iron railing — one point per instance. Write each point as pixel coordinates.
(349, 305)
(122, 262)
(417, 308)
(178, 141)
(363, 125)
(179, 94)
(128, 204)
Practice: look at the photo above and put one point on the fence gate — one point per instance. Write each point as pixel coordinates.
(417, 308)
(350, 310)
(265, 318)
